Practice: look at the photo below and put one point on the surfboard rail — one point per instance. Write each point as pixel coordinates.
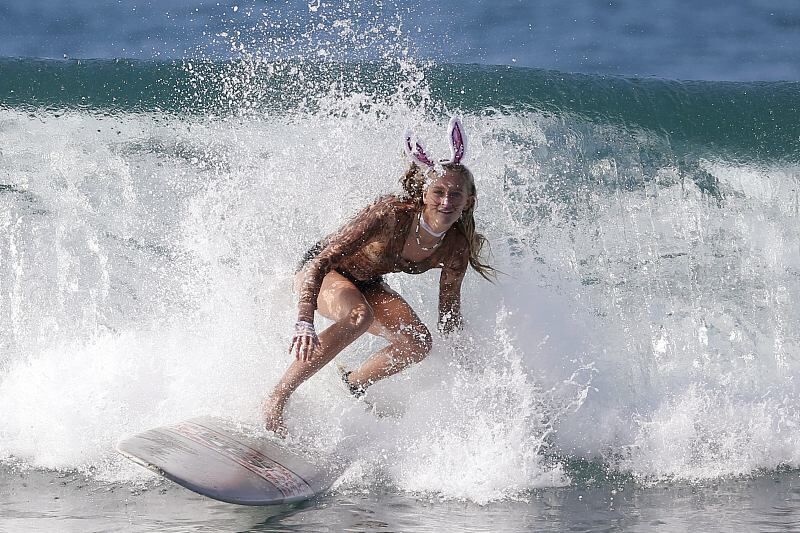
(216, 458)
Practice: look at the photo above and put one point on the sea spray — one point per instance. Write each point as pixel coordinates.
(643, 319)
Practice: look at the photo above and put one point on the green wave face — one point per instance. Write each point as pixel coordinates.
(152, 214)
(738, 121)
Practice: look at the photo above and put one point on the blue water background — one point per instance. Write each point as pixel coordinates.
(678, 39)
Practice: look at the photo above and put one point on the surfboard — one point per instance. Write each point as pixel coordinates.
(227, 461)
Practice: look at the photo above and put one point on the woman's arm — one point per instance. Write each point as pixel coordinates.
(450, 317)
(346, 241)
(349, 239)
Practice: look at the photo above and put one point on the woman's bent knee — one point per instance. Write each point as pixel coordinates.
(361, 317)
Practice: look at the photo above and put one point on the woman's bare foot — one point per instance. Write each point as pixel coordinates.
(273, 417)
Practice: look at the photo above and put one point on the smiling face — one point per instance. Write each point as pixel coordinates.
(446, 198)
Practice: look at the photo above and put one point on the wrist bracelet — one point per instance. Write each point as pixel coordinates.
(302, 326)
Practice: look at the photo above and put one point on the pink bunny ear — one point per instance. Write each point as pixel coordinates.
(458, 140)
(415, 151)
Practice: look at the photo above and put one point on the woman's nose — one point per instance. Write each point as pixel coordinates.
(446, 200)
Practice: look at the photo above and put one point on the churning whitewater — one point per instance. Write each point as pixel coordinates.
(643, 320)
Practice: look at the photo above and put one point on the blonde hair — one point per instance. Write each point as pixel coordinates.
(413, 182)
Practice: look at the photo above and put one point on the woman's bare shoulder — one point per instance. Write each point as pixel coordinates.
(394, 201)
(457, 249)
(391, 204)
(460, 241)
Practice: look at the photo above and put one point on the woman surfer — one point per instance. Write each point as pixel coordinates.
(341, 277)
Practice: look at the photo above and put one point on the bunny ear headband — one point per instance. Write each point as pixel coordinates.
(458, 146)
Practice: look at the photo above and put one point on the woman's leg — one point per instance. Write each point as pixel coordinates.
(338, 300)
(409, 339)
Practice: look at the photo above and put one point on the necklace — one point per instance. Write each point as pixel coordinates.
(416, 231)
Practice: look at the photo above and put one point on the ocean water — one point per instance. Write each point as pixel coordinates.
(746, 40)
(632, 369)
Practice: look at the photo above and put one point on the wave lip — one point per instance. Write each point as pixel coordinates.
(739, 120)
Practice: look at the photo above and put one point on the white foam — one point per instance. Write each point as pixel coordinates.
(146, 277)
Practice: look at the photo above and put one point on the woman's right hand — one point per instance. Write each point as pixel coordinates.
(304, 341)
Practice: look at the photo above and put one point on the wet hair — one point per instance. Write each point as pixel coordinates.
(414, 184)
